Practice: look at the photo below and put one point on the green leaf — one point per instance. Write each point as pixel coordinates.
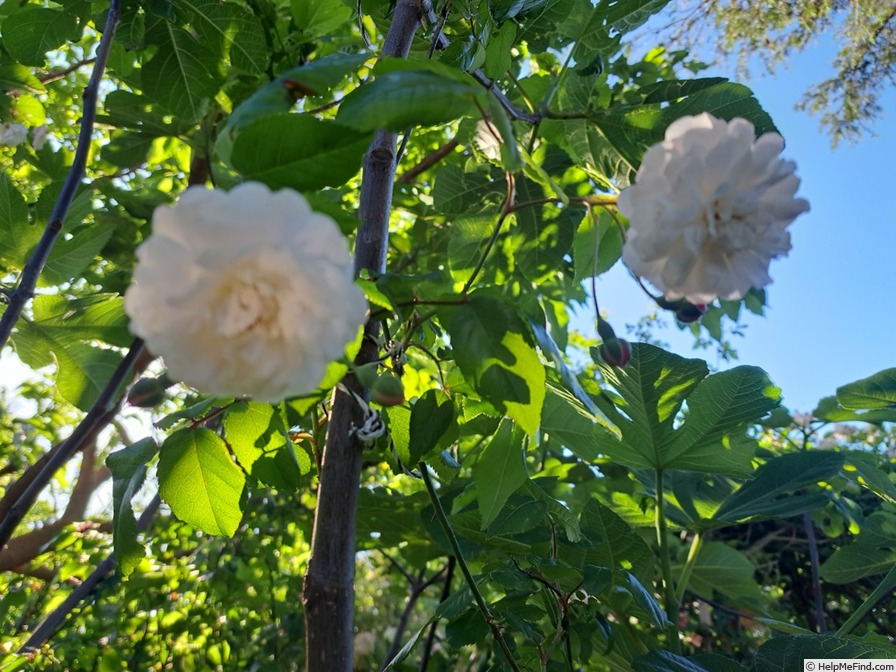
(767, 495)
(319, 153)
(235, 30)
(403, 98)
(17, 236)
(320, 17)
(566, 419)
(597, 235)
(128, 467)
(788, 652)
(872, 552)
(646, 602)
(613, 543)
(721, 404)
(71, 256)
(32, 31)
(468, 235)
(491, 351)
(877, 391)
(498, 57)
(57, 333)
(460, 193)
(653, 384)
(500, 472)
(183, 76)
(626, 15)
(246, 425)
(431, 416)
(721, 569)
(870, 475)
(200, 482)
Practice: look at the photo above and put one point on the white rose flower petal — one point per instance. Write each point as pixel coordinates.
(246, 292)
(12, 134)
(709, 210)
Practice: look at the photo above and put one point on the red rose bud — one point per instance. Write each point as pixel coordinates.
(690, 312)
(616, 352)
(388, 390)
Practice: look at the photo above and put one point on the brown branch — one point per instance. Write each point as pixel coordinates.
(54, 621)
(427, 162)
(102, 412)
(52, 76)
(329, 581)
(23, 549)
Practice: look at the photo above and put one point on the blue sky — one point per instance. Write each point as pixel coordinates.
(831, 314)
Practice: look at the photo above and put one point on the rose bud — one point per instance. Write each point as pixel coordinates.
(690, 312)
(388, 390)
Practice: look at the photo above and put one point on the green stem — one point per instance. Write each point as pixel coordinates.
(505, 210)
(668, 589)
(696, 543)
(883, 588)
(464, 568)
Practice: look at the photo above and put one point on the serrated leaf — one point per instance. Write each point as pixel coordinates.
(235, 30)
(653, 384)
(500, 471)
(32, 31)
(200, 482)
(877, 391)
(71, 256)
(319, 153)
(491, 351)
(399, 99)
(460, 193)
(722, 403)
(183, 75)
(613, 543)
(766, 495)
(128, 467)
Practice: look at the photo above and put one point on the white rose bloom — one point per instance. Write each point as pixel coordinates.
(246, 292)
(12, 134)
(709, 210)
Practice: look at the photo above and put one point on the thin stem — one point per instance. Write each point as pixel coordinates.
(465, 569)
(43, 632)
(668, 589)
(688, 568)
(814, 562)
(99, 415)
(505, 211)
(431, 634)
(28, 279)
(884, 588)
